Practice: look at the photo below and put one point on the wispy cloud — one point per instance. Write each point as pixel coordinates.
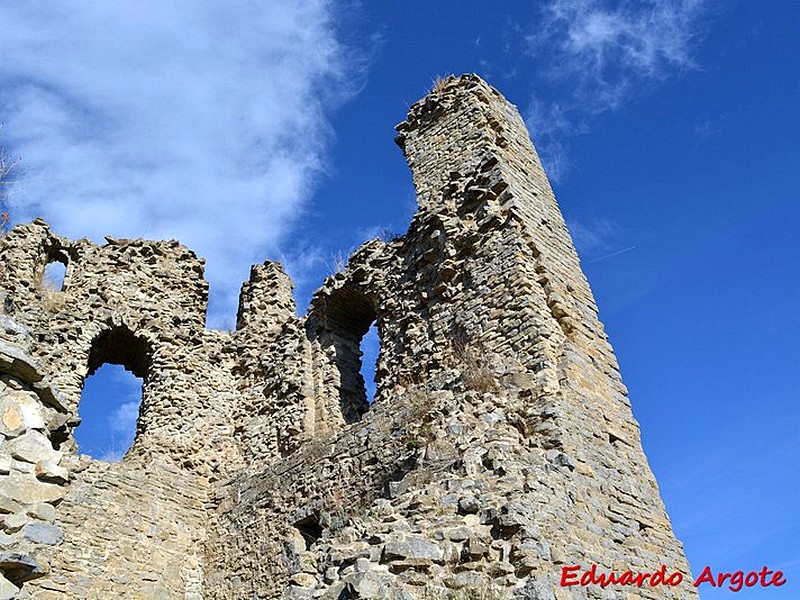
(122, 427)
(596, 237)
(551, 125)
(600, 54)
(607, 50)
(123, 419)
(597, 240)
(201, 121)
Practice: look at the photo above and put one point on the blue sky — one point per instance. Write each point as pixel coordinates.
(670, 129)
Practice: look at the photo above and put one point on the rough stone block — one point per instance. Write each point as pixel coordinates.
(8, 591)
(43, 512)
(410, 548)
(26, 489)
(15, 522)
(47, 470)
(20, 410)
(32, 447)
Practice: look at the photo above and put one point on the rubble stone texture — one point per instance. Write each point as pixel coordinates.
(500, 445)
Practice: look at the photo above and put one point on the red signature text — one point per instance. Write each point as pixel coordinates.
(569, 576)
(572, 575)
(739, 579)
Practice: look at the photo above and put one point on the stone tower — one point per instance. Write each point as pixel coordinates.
(500, 446)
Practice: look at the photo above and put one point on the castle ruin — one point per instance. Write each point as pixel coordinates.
(499, 448)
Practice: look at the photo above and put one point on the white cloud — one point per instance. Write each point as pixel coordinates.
(607, 50)
(121, 425)
(201, 121)
(123, 419)
(593, 238)
(601, 54)
(550, 126)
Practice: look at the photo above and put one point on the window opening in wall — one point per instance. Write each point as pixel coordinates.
(108, 410)
(348, 315)
(112, 392)
(310, 530)
(54, 274)
(370, 348)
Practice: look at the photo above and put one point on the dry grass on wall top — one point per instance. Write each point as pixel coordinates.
(439, 83)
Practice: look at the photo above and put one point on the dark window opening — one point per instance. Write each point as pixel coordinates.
(112, 394)
(309, 529)
(119, 346)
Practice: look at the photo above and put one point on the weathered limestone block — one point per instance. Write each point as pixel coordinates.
(8, 591)
(33, 447)
(20, 411)
(47, 469)
(42, 533)
(412, 548)
(26, 489)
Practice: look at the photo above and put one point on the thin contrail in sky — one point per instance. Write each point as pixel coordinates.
(617, 253)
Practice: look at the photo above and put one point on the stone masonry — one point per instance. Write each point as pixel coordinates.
(499, 448)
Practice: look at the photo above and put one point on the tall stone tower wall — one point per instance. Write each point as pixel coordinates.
(499, 409)
(499, 447)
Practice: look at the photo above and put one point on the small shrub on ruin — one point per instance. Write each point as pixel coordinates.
(439, 83)
(475, 373)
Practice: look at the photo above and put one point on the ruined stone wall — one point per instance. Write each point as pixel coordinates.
(34, 471)
(137, 303)
(500, 444)
(273, 372)
(103, 528)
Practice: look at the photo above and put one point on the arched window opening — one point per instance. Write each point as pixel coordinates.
(108, 410)
(348, 315)
(112, 393)
(55, 273)
(370, 349)
(309, 529)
